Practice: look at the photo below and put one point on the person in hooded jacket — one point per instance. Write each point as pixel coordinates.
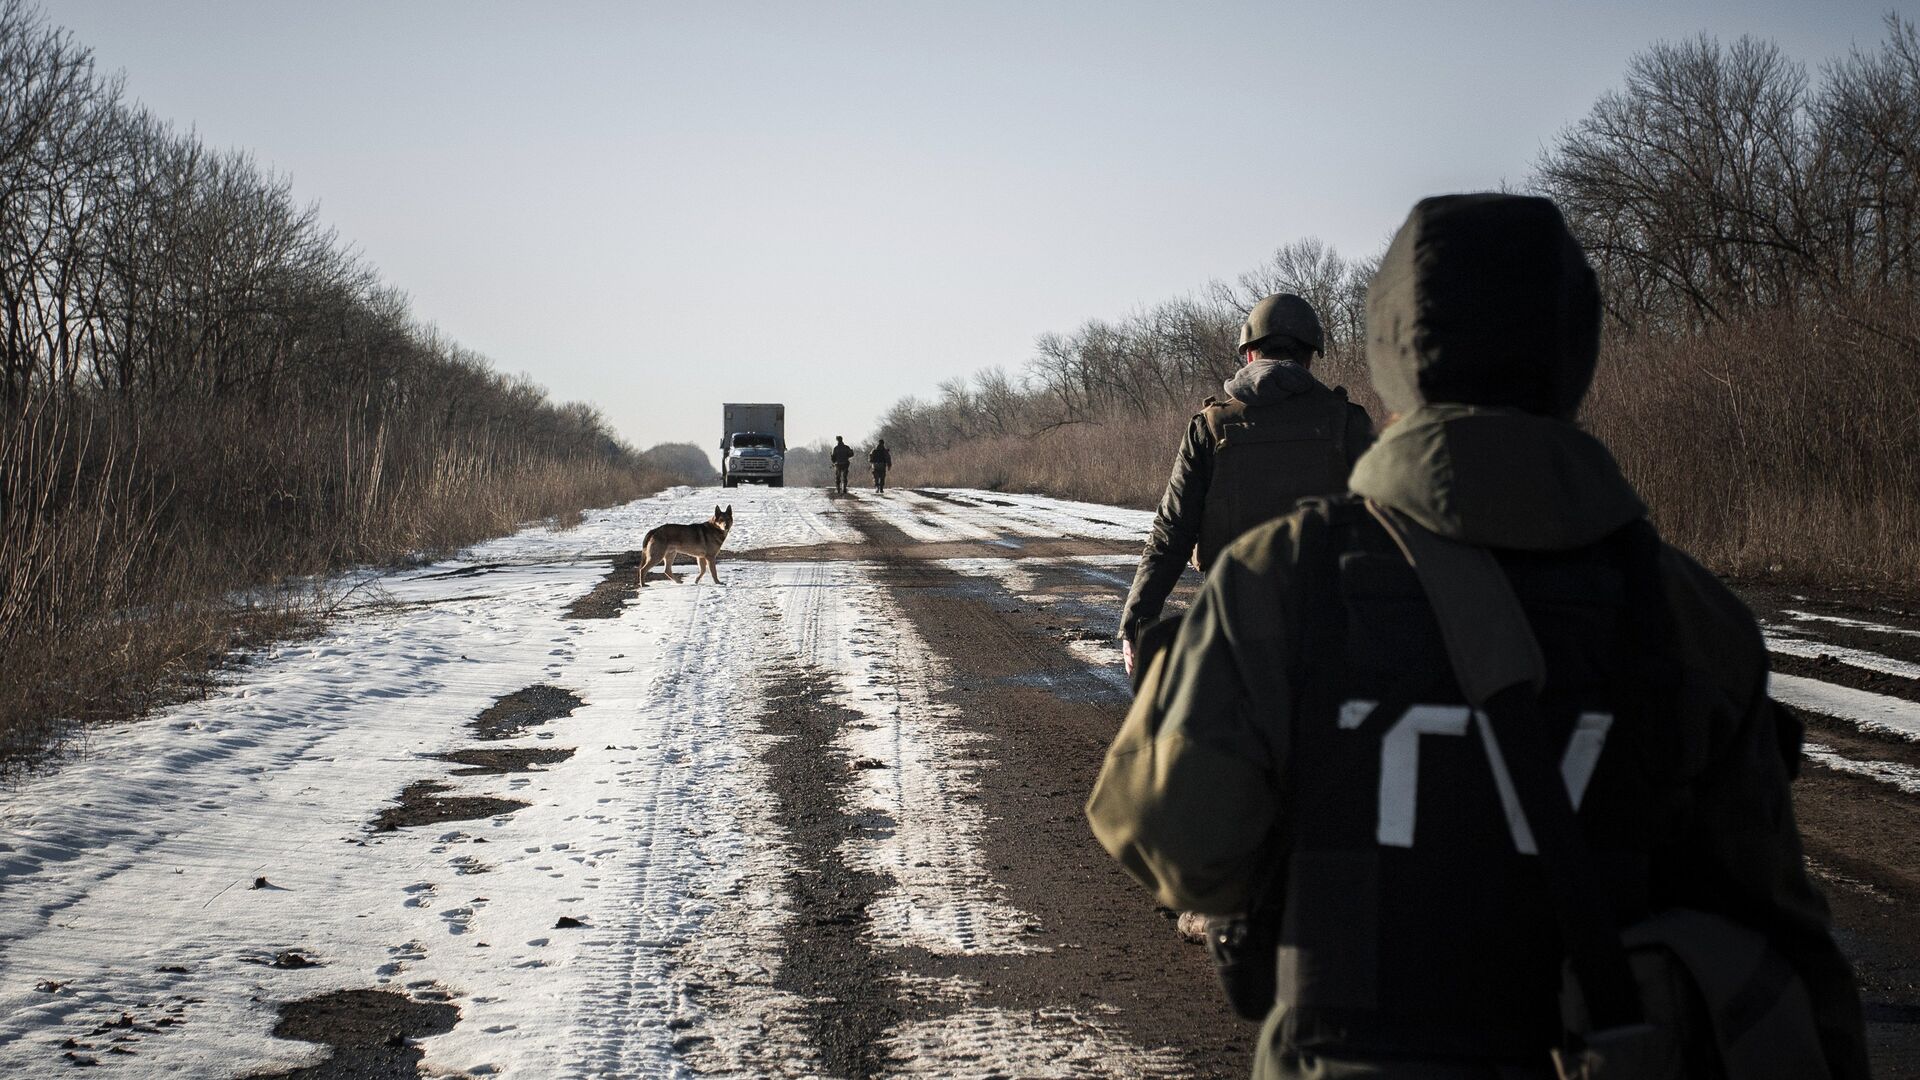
(1302, 742)
(1279, 435)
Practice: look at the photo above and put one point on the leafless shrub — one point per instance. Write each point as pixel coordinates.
(202, 389)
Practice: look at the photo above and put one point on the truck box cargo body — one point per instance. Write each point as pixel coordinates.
(753, 444)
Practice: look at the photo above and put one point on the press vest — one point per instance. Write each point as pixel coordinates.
(1414, 921)
(1268, 457)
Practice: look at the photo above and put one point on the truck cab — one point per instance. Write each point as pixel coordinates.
(753, 444)
(753, 456)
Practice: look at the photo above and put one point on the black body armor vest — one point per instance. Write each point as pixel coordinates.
(1416, 918)
(1268, 457)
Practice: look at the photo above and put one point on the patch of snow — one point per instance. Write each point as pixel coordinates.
(1874, 713)
(1062, 517)
(1856, 624)
(1904, 777)
(1809, 649)
(1002, 519)
(1010, 573)
(928, 520)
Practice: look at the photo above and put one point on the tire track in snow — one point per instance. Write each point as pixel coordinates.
(686, 987)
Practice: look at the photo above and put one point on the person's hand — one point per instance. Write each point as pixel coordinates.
(1126, 654)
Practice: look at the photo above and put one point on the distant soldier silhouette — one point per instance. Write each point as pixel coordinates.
(1460, 737)
(1277, 436)
(881, 459)
(842, 458)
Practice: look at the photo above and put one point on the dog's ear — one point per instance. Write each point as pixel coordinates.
(716, 509)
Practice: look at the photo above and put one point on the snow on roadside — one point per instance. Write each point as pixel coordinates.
(1876, 714)
(1001, 518)
(1906, 778)
(126, 876)
(1065, 517)
(129, 874)
(1806, 648)
(1853, 624)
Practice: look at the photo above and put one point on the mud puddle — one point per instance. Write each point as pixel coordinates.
(606, 599)
(492, 761)
(372, 1033)
(422, 804)
(513, 714)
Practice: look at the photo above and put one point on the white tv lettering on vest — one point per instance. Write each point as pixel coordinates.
(1400, 764)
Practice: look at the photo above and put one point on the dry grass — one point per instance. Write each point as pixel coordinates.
(1122, 464)
(1784, 447)
(136, 561)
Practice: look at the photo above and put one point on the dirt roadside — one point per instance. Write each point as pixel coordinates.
(1049, 720)
(1863, 845)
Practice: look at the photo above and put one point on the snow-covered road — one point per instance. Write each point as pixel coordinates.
(165, 890)
(622, 905)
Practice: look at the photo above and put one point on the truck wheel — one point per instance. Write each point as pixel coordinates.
(727, 481)
(778, 481)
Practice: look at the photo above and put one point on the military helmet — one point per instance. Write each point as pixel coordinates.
(1283, 315)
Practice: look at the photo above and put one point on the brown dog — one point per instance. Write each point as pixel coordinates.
(701, 540)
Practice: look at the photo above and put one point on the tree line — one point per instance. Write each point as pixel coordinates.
(1165, 357)
(203, 387)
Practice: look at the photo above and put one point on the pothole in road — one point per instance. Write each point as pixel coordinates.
(422, 804)
(489, 761)
(372, 1033)
(522, 709)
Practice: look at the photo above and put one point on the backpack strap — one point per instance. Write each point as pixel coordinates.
(1340, 421)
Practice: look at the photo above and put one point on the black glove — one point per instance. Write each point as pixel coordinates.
(1244, 955)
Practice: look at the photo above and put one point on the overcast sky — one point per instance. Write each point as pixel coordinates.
(660, 207)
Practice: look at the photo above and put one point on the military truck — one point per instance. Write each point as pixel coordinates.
(753, 444)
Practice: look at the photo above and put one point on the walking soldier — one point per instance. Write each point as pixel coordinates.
(1277, 436)
(881, 459)
(842, 458)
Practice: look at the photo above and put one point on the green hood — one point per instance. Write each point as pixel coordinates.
(1498, 478)
(1483, 300)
